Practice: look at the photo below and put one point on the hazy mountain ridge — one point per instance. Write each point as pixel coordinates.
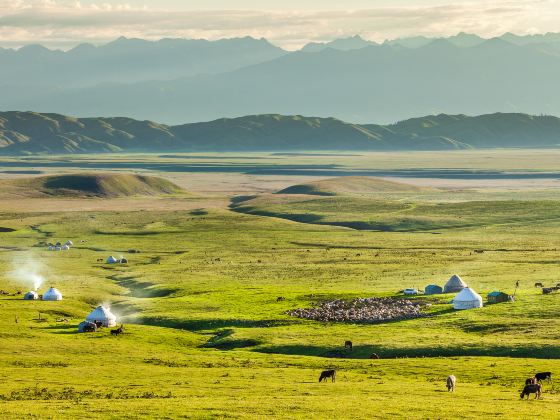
(35, 133)
(384, 83)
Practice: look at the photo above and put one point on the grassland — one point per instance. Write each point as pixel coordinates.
(206, 337)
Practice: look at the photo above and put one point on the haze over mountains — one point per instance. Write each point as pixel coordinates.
(24, 133)
(176, 81)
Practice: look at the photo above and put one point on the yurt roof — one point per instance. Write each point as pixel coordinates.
(467, 295)
(101, 313)
(455, 280)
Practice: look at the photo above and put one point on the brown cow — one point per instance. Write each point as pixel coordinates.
(348, 345)
(451, 381)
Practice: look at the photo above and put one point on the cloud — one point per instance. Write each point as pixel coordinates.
(65, 23)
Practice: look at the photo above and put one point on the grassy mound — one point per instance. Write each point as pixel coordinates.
(97, 185)
(350, 185)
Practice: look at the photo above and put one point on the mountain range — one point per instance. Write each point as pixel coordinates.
(176, 80)
(23, 133)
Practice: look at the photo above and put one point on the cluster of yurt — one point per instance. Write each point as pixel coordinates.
(50, 295)
(113, 260)
(99, 317)
(466, 297)
(59, 246)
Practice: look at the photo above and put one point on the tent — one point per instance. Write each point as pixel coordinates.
(65, 248)
(103, 315)
(433, 289)
(111, 260)
(82, 325)
(31, 296)
(498, 297)
(51, 248)
(58, 248)
(467, 299)
(69, 243)
(52, 294)
(454, 284)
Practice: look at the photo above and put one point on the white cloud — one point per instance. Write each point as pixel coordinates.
(65, 23)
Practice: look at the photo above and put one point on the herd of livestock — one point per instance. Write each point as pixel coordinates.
(363, 310)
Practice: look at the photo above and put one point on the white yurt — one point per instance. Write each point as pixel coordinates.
(65, 248)
(111, 260)
(467, 299)
(104, 315)
(52, 294)
(454, 284)
(69, 243)
(51, 248)
(58, 248)
(32, 295)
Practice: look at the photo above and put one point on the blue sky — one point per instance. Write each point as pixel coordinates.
(288, 23)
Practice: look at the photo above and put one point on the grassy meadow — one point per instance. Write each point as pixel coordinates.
(204, 334)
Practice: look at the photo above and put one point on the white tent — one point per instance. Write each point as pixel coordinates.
(32, 295)
(454, 284)
(65, 248)
(111, 260)
(52, 294)
(69, 243)
(104, 315)
(51, 248)
(58, 248)
(467, 299)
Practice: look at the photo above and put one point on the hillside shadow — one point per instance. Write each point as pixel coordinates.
(210, 325)
(386, 352)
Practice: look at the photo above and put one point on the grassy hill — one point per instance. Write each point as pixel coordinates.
(35, 133)
(92, 185)
(350, 185)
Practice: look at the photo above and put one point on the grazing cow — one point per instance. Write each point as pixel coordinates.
(531, 381)
(348, 345)
(532, 389)
(280, 298)
(328, 374)
(544, 375)
(90, 327)
(374, 356)
(118, 331)
(538, 285)
(451, 381)
(547, 290)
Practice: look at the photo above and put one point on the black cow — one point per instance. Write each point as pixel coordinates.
(532, 389)
(544, 375)
(348, 345)
(328, 374)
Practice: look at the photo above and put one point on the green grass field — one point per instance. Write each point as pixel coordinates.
(206, 338)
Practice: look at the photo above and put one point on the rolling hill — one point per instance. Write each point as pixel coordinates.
(90, 185)
(24, 133)
(350, 185)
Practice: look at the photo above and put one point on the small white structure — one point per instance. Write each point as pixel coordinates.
(58, 248)
(51, 248)
(69, 243)
(467, 299)
(104, 315)
(32, 295)
(52, 294)
(66, 248)
(454, 284)
(111, 260)
(410, 292)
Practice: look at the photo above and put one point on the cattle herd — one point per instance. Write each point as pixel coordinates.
(533, 385)
(364, 310)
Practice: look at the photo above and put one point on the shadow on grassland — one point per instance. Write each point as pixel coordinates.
(386, 352)
(210, 325)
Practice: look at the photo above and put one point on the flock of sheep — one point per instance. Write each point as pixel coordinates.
(365, 310)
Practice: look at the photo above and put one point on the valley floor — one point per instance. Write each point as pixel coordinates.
(205, 336)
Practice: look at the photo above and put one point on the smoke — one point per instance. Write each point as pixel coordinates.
(28, 271)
